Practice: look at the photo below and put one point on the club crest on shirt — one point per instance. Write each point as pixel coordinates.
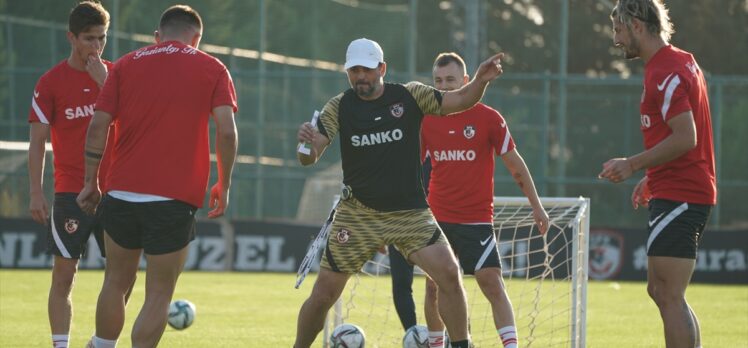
(343, 236)
(397, 110)
(692, 67)
(469, 131)
(71, 225)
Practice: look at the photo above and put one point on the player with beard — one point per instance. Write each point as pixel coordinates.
(679, 186)
(383, 200)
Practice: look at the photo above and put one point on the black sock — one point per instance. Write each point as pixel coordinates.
(460, 344)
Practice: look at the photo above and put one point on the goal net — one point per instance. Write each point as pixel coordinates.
(545, 276)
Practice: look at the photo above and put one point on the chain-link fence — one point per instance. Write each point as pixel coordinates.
(565, 126)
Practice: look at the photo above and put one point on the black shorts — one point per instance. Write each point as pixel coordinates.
(474, 245)
(70, 228)
(156, 227)
(675, 228)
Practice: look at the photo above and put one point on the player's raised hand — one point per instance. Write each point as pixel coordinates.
(218, 201)
(490, 69)
(641, 194)
(616, 170)
(88, 199)
(39, 208)
(541, 219)
(96, 69)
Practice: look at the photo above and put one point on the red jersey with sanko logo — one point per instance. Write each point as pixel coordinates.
(160, 98)
(64, 99)
(461, 149)
(674, 84)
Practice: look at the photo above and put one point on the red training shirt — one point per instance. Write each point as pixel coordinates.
(161, 97)
(64, 99)
(461, 149)
(674, 84)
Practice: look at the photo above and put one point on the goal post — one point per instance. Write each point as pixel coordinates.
(545, 276)
(570, 214)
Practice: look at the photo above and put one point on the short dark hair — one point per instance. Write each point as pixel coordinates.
(86, 15)
(179, 18)
(443, 59)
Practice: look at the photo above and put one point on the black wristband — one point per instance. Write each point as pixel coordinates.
(93, 155)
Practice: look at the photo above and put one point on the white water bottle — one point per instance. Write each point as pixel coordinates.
(306, 148)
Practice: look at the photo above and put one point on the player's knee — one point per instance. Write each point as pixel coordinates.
(62, 285)
(488, 279)
(321, 303)
(323, 299)
(450, 282)
(119, 282)
(63, 280)
(450, 270)
(652, 292)
(664, 297)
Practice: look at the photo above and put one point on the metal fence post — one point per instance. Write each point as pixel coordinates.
(562, 75)
(260, 134)
(717, 130)
(545, 159)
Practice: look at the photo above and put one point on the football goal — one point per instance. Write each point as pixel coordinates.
(545, 276)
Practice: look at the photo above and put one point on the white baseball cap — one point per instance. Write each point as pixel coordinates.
(363, 52)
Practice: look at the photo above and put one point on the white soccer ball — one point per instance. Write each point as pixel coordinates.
(347, 336)
(417, 336)
(181, 314)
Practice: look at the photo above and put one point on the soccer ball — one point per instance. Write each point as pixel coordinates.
(417, 336)
(181, 314)
(347, 336)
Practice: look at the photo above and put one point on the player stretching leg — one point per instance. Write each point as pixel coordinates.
(379, 128)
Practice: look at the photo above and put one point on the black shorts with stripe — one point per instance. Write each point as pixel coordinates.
(158, 227)
(675, 228)
(70, 228)
(474, 244)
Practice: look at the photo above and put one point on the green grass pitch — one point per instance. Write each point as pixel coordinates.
(259, 309)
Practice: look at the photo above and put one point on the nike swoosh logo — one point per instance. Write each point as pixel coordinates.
(651, 223)
(483, 242)
(661, 86)
(36, 94)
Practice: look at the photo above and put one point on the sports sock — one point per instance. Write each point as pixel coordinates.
(102, 343)
(436, 339)
(460, 344)
(508, 335)
(60, 341)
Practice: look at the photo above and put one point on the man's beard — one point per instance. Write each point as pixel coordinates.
(365, 89)
(632, 50)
